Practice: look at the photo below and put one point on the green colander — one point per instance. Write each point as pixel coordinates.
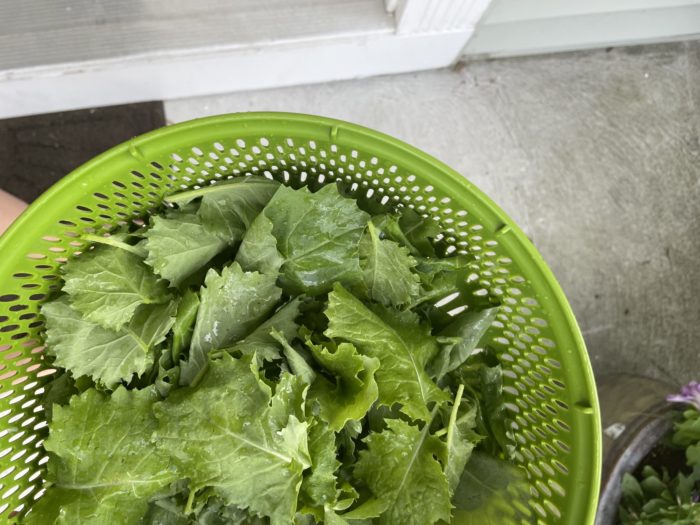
(548, 381)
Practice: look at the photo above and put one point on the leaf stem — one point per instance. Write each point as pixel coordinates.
(453, 416)
(190, 502)
(419, 444)
(187, 196)
(200, 374)
(110, 241)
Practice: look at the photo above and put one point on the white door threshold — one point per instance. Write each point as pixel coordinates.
(317, 42)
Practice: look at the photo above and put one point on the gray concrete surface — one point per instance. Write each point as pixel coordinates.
(595, 154)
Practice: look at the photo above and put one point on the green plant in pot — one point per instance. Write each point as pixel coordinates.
(665, 488)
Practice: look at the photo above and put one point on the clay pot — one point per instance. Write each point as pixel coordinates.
(635, 417)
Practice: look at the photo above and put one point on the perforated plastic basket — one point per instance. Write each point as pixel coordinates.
(548, 380)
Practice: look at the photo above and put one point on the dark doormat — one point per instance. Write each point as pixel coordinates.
(37, 151)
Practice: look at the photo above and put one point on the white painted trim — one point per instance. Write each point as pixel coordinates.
(434, 41)
(581, 31)
(391, 5)
(168, 77)
(505, 11)
(435, 16)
